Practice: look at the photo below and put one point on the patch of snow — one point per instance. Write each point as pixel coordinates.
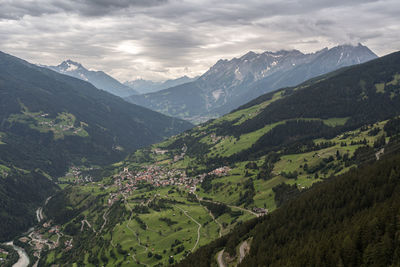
(238, 74)
(83, 77)
(71, 67)
(270, 54)
(263, 72)
(217, 94)
(273, 64)
(341, 55)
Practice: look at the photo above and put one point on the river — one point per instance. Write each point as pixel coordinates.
(23, 260)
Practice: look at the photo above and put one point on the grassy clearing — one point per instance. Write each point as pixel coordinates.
(231, 145)
(159, 237)
(245, 114)
(64, 124)
(264, 197)
(336, 121)
(395, 81)
(380, 88)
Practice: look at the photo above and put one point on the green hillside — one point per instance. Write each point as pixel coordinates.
(165, 201)
(350, 220)
(50, 122)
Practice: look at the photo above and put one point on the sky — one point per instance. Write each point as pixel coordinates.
(164, 39)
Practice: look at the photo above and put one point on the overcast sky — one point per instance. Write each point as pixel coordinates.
(160, 39)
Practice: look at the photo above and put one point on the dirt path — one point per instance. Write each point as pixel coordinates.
(217, 222)
(245, 210)
(379, 153)
(198, 230)
(105, 219)
(58, 238)
(39, 211)
(133, 232)
(212, 217)
(88, 224)
(244, 249)
(232, 206)
(220, 259)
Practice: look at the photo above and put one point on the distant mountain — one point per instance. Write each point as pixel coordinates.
(145, 86)
(51, 121)
(99, 79)
(231, 83)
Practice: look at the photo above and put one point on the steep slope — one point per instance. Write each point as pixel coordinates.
(339, 101)
(351, 220)
(162, 202)
(145, 86)
(229, 84)
(99, 79)
(50, 121)
(50, 111)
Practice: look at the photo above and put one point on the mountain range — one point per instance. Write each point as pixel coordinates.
(231, 83)
(146, 86)
(99, 79)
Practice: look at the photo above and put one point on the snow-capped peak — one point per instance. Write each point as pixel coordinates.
(69, 65)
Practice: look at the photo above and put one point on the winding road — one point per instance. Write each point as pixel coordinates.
(105, 220)
(198, 230)
(231, 206)
(220, 259)
(243, 250)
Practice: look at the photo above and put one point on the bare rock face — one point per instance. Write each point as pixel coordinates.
(231, 83)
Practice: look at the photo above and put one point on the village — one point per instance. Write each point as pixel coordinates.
(75, 176)
(64, 123)
(128, 181)
(46, 237)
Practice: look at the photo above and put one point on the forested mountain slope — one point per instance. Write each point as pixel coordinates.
(48, 122)
(61, 119)
(350, 220)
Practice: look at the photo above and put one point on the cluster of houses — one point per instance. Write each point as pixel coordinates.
(76, 172)
(222, 171)
(260, 211)
(127, 181)
(52, 124)
(159, 151)
(215, 138)
(38, 241)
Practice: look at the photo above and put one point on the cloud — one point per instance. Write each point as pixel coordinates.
(11, 9)
(160, 39)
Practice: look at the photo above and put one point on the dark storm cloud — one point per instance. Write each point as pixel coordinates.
(159, 39)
